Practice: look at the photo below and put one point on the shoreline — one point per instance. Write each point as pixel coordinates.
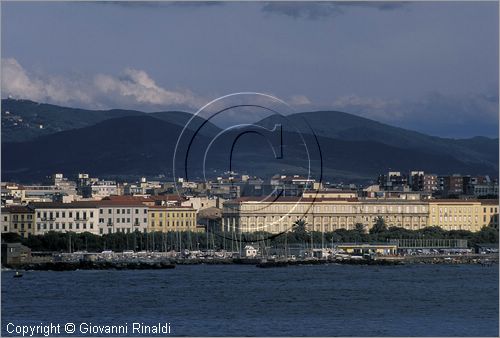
(484, 260)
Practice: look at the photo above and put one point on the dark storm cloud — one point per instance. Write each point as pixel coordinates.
(315, 10)
(375, 59)
(157, 4)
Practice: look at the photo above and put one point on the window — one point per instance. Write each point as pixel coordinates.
(128, 211)
(117, 211)
(136, 211)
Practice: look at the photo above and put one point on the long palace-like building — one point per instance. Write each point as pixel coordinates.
(329, 212)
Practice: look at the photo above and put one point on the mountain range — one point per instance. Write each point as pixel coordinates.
(125, 143)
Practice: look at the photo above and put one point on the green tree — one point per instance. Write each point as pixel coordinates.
(379, 226)
(299, 229)
(360, 227)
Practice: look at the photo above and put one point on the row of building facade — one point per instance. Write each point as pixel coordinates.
(326, 213)
(107, 216)
(323, 212)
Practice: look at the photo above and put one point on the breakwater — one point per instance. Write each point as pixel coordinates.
(86, 265)
(485, 260)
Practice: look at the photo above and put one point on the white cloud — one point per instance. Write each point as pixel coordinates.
(133, 89)
(16, 82)
(140, 87)
(299, 100)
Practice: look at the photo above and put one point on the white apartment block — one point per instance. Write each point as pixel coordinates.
(103, 189)
(122, 216)
(65, 217)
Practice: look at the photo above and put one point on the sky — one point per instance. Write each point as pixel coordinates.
(430, 66)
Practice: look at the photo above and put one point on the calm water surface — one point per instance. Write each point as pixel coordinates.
(332, 300)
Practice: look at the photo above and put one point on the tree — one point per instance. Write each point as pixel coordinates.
(359, 227)
(379, 226)
(299, 229)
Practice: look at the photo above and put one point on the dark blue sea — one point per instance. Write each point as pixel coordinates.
(236, 300)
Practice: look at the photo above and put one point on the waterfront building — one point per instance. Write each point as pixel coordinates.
(490, 213)
(18, 219)
(77, 217)
(165, 218)
(5, 220)
(15, 253)
(455, 214)
(329, 214)
(121, 214)
(321, 214)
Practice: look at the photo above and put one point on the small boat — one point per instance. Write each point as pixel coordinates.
(18, 275)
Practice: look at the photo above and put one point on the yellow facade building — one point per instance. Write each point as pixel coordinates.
(490, 213)
(250, 214)
(469, 215)
(171, 218)
(18, 219)
(321, 214)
